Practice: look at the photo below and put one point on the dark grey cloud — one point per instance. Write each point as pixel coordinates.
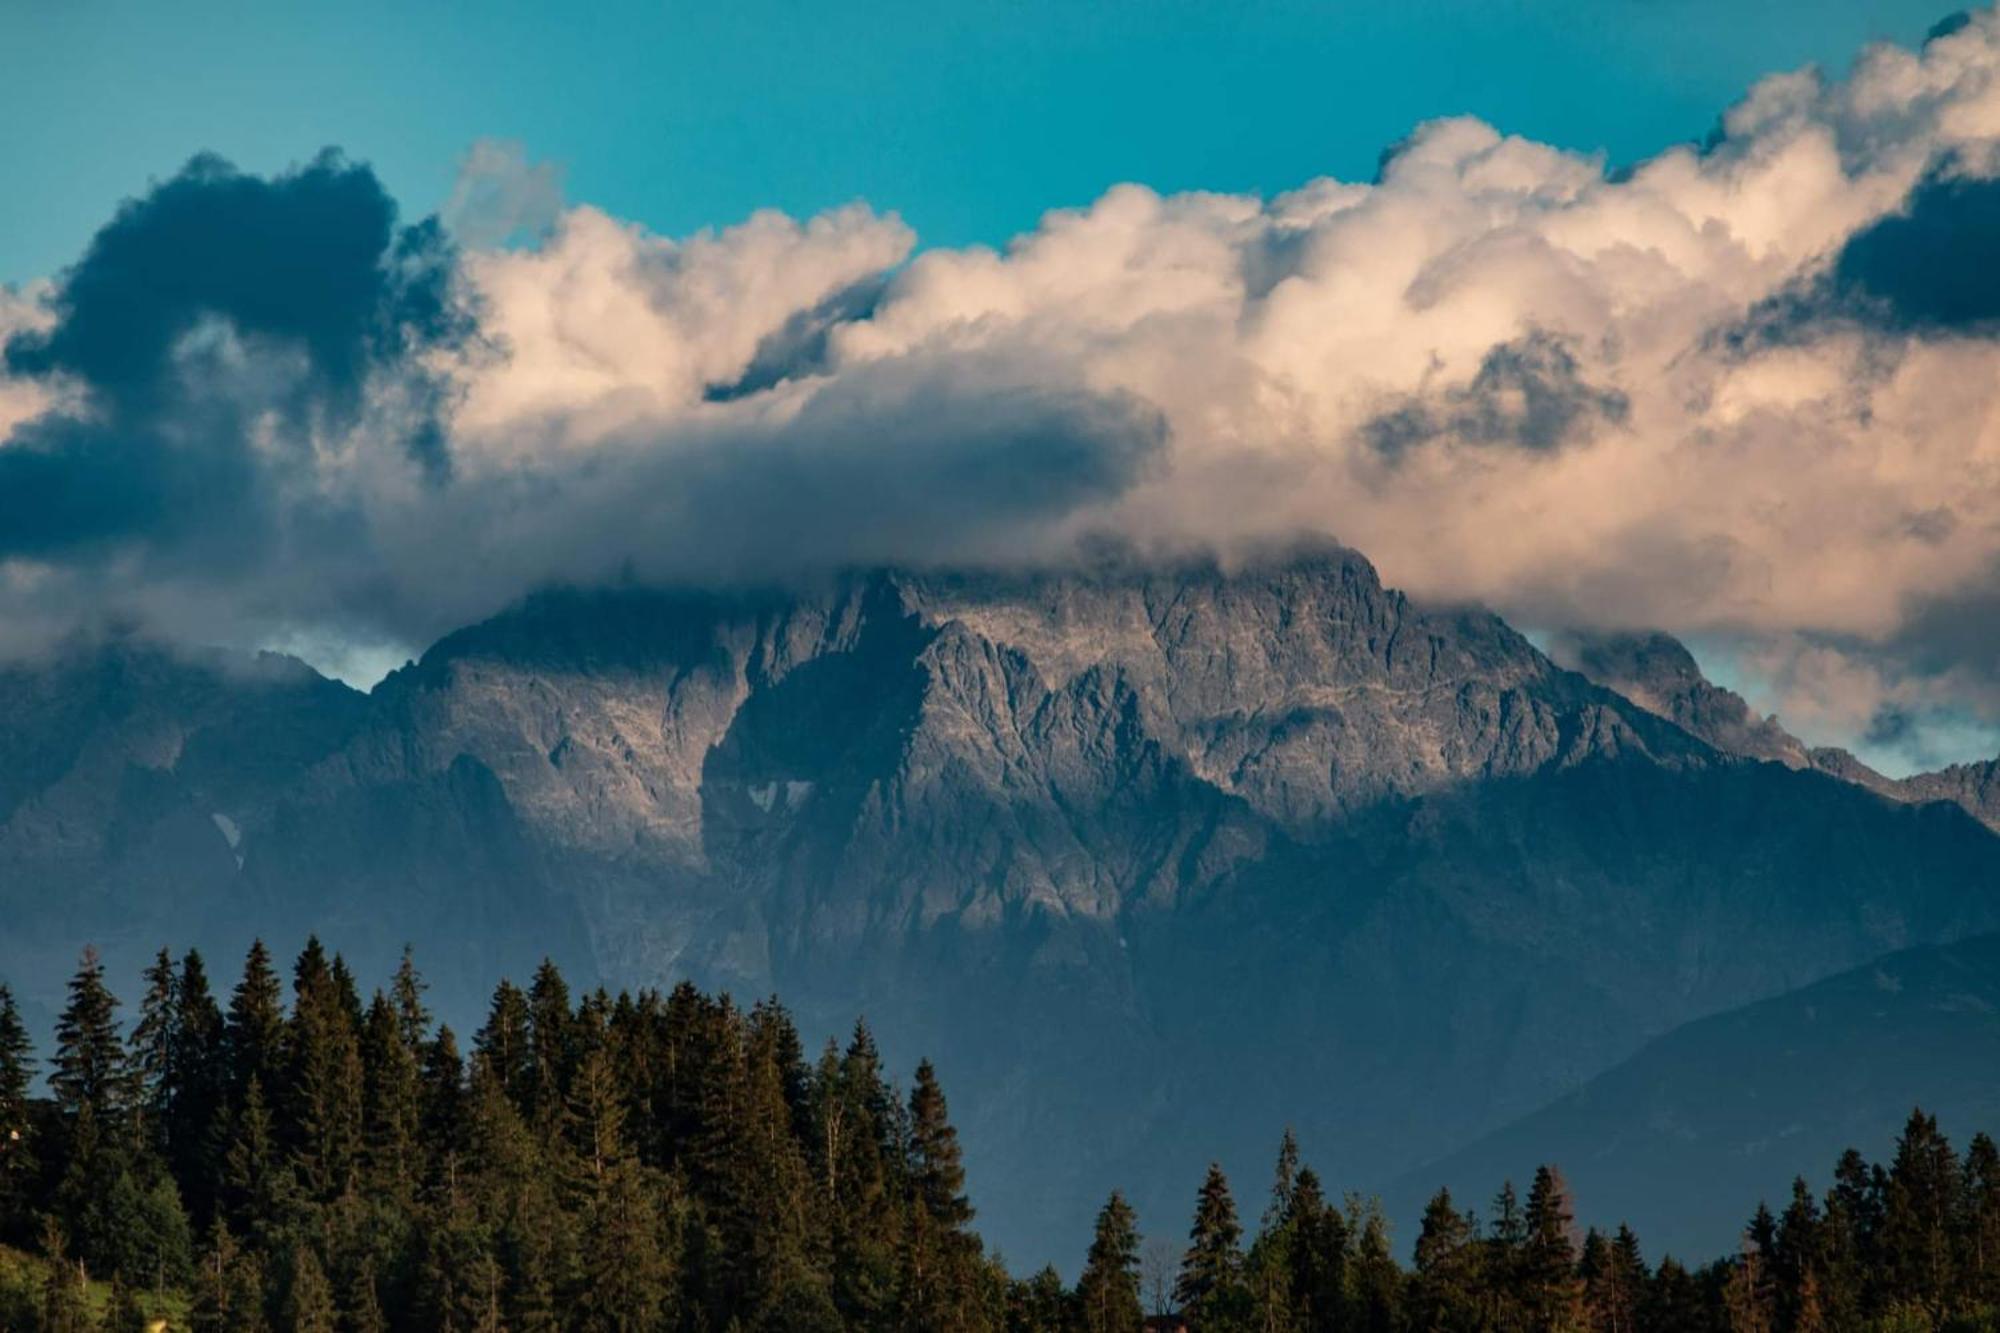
(799, 346)
(919, 461)
(1929, 269)
(1933, 267)
(1529, 393)
(304, 276)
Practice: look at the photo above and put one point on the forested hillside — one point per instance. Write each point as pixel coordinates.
(676, 1162)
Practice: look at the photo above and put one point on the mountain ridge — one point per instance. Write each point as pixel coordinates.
(1150, 861)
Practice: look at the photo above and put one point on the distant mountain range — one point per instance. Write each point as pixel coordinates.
(1757, 1096)
(1150, 861)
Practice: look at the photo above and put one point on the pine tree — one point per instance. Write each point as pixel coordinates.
(1921, 1207)
(1444, 1289)
(1318, 1255)
(1209, 1289)
(1547, 1272)
(503, 1044)
(935, 1165)
(256, 1028)
(361, 1311)
(309, 1304)
(1980, 1270)
(89, 1076)
(1797, 1256)
(444, 1103)
(256, 1178)
(941, 1260)
(406, 991)
(17, 1148)
(197, 1111)
(1748, 1298)
(1107, 1293)
(392, 1107)
(65, 1307)
(1506, 1245)
(552, 1048)
(324, 1078)
(626, 1271)
(155, 1037)
(1376, 1303)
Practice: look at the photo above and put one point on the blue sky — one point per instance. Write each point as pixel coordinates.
(970, 118)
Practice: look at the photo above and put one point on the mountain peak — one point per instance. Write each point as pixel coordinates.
(1657, 672)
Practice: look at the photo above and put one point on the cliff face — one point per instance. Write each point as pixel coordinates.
(1150, 862)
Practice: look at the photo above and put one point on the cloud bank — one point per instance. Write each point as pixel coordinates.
(1745, 389)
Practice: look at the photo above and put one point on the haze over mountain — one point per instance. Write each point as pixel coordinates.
(1151, 860)
(1752, 1098)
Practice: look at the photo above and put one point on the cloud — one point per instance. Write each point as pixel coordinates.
(209, 333)
(1528, 393)
(1740, 390)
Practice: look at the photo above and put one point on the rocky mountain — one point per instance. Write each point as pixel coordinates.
(1657, 672)
(1151, 861)
(1681, 1135)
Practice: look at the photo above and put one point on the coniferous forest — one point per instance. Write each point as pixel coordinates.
(292, 1156)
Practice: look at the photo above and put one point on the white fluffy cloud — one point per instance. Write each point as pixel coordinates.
(1680, 395)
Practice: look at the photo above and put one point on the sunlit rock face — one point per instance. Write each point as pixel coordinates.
(1151, 861)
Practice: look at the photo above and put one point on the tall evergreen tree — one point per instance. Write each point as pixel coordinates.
(89, 1077)
(392, 1106)
(1547, 1272)
(1210, 1287)
(1318, 1255)
(1980, 1267)
(324, 1079)
(17, 1148)
(154, 1039)
(1107, 1293)
(200, 1079)
(256, 1028)
(1921, 1208)
(1444, 1290)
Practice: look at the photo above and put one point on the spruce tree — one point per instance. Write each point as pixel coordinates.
(256, 1028)
(1318, 1256)
(552, 1048)
(392, 1107)
(196, 1114)
(65, 1303)
(324, 1079)
(1547, 1270)
(1444, 1289)
(1981, 1194)
(1921, 1208)
(17, 1148)
(406, 991)
(89, 1077)
(309, 1306)
(1107, 1292)
(1209, 1289)
(1376, 1303)
(153, 1073)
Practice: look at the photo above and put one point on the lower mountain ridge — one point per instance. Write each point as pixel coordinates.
(1150, 861)
(1687, 1130)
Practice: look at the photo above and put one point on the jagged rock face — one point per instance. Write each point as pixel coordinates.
(1151, 862)
(1657, 672)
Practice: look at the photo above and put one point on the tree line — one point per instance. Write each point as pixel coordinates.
(676, 1162)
